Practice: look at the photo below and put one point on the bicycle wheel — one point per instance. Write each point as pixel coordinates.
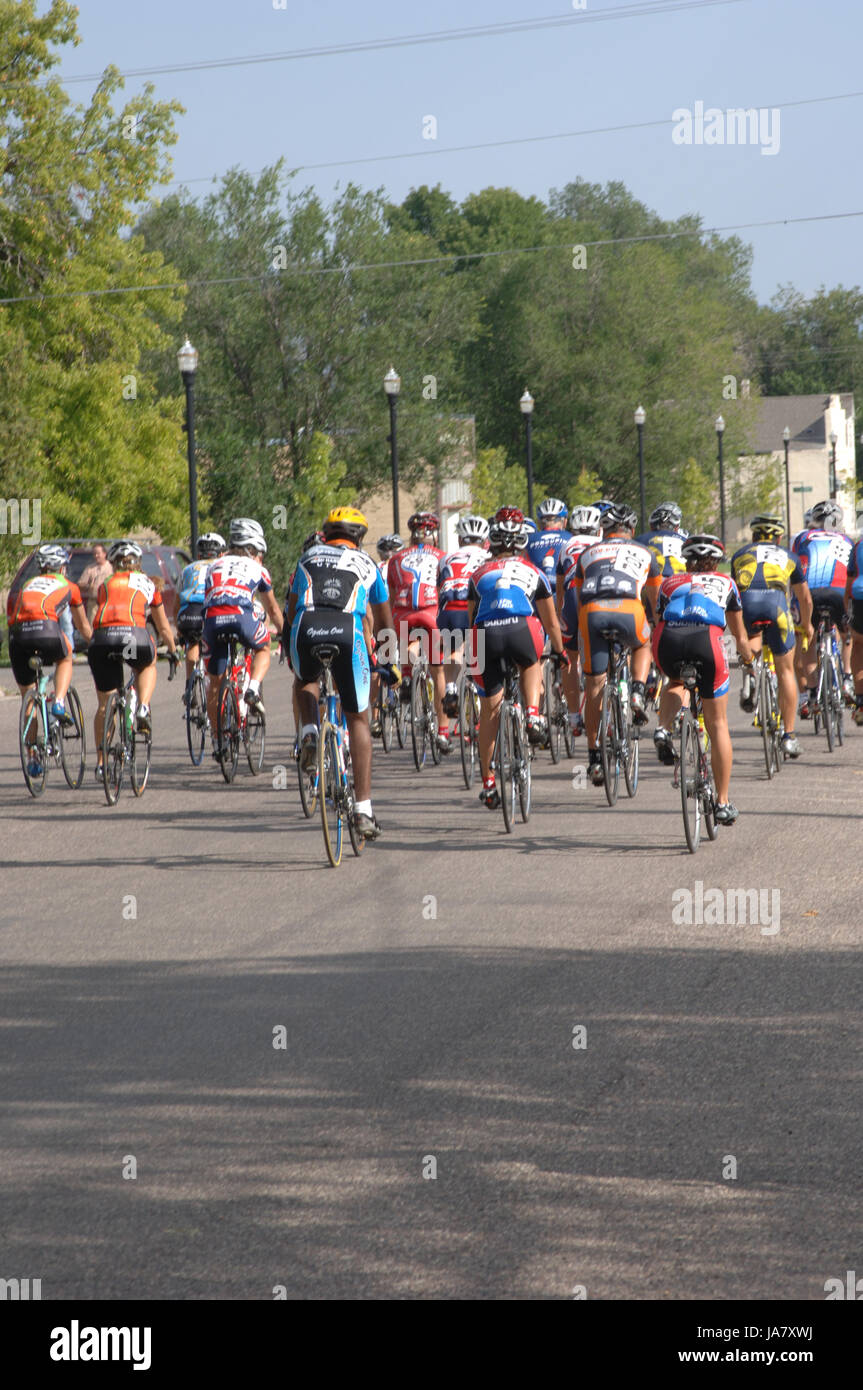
(419, 729)
(113, 751)
(196, 717)
(826, 692)
(690, 794)
(765, 719)
(73, 742)
(521, 763)
(505, 777)
(401, 720)
(552, 711)
(357, 841)
(387, 717)
(228, 729)
(568, 737)
(838, 707)
(254, 739)
(142, 747)
(431, 719)
(468, 730)
(609, 753)
(308, 788)
(629, 743)
(33, 743)
(329, 792)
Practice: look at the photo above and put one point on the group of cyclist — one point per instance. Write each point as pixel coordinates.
(579, 582)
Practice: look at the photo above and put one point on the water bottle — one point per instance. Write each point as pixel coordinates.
(623, 688)
(244, 684)
(131, 707)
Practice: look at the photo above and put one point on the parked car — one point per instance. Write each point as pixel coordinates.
(163, 563)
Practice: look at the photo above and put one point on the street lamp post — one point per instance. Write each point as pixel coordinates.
(786, 439)
(526, 407)
(834, 439)
(640, 417)
(720, 430)
(392, 386)
(187, 360)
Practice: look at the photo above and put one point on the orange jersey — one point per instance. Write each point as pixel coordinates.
(124, 598)
(44, 596)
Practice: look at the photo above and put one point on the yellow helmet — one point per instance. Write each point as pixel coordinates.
(345, 521)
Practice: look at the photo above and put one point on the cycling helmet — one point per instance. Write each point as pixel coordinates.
(347, 522)
(423, 524)
(124, 550)
(51, 557)
(826, 515)
(603, 505)
(807, 517)
(585, 520)
(507, 531)
(524, 536)
(246, 532)
(391, 544)
(618, 514)
(313, 538)
(210, 545)
(472, 528)
(703, 548)
(666, 514)
(552, 509)
(766, 528)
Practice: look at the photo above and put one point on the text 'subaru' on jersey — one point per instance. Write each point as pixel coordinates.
(759, 566)
(616, 567)
(506, 587)
(231, 582)
(701, 598)
(413, 575)
(43, 596)
(454, 575)
(336, 577)
(124, 598)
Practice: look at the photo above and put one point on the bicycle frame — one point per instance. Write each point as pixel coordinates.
(618, 736)
(335, 781)
(698, 798)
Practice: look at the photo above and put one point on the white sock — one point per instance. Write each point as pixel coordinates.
(254, 685)
(363, 808)
(309, 729)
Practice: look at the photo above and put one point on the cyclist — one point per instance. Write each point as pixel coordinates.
(546, 543)
(693, 609)
(124, 601)
(231, 585)
(412, 576)
(586, 524)
(510, 601)
(454, 574)
(665, 538)
(800, 641)
(333, 587)
(190, 616)
(387, 546)
(824, 554)
(854, 596)
(762, 571)
(615, 579)
(40, 619)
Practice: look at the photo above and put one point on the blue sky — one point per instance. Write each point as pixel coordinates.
(351, 106)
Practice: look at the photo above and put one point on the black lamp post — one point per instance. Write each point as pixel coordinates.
(526, 407)
(640, 417)
(786, 439)
(187, 360)
(392, 386)
(720, 430)
(834, 439)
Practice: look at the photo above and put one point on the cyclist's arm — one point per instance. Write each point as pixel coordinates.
(548, 618)
(81, 621)
(382, 615)
(803, 596)
(163, 627)
(736, 627)
(271, 608)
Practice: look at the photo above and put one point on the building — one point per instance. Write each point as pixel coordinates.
(448, 495)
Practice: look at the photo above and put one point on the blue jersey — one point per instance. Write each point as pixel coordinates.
(855, 570)
(192, 582)
(506, 587)
(824, 557)
(543, 550)
(337, 577)
(703, 597)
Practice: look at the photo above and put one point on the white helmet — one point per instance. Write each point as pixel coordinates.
(472, 528)
(551, 508)
(585, 521)
(247, 532)
(827, 515)
(51, 557)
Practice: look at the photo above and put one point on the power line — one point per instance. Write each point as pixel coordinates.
(478, 31)
(300, 270)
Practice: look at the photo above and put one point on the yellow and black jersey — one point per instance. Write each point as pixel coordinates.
(666, 546)
(760, 565)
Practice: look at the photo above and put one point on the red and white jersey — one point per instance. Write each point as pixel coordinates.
(454, 575)
(412, 575)
(232, 580)
(568, 558)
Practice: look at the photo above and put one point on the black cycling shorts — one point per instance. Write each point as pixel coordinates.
(41, 637)
(700, 643)
(519, 639)
(190, 621)
(833, 600)
(107, 670)
(350, 665)
(857, 614)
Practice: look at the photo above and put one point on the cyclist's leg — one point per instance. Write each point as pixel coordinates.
(107, 674)
(780, 640)
(857, 655)
(351, 674)
(527, 643)
(145, 667)
(452, 626)
(708, 647)
(570, 679)
(492, 640)
(595, 651)
(214, 643)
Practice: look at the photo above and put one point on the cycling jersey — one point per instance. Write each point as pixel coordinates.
(566, 567)
(568, 556)
(824, 557)
(616, 567)
(666, 545)
(230, 583)
(193, 582)
(762, 565)
(336, 576)
(412, 575)
(454, 574)
(124, 599)
(855, 570)
(45, 596)
(544, 548)
(334, 585)
(700, 598)
(506, 587)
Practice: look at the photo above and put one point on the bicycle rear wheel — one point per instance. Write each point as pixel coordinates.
(506, 779)
(254, 739)
(468, 730)
(401, 721)
(431, 719)
(521, 761)
(329, 793)
(308, 788)
(629, 743)
(609, 753)
(73, 742)
(552, 701)
(142, 747)
(228, 729)
(113, 751)
(33, 743)
(690, 795)
(765, 719)
(827, 699)
(568, 737)
(838, 708)
(419, 730)
(196, 717)
(357, 841)
(387, 716)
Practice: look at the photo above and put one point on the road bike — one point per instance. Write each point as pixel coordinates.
(692, 770)
(124, 745)
(768, 716)
(829, 708)
(618, 736)
(556, 708)
(195, 712)
(424, 725)
(335, 779)
(391, 714)
(512, 755)
(236, 721)
(42, 737)
(468, 725)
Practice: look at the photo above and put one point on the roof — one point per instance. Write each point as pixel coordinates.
(803, 415)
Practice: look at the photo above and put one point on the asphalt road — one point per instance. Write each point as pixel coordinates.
(429, 992)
